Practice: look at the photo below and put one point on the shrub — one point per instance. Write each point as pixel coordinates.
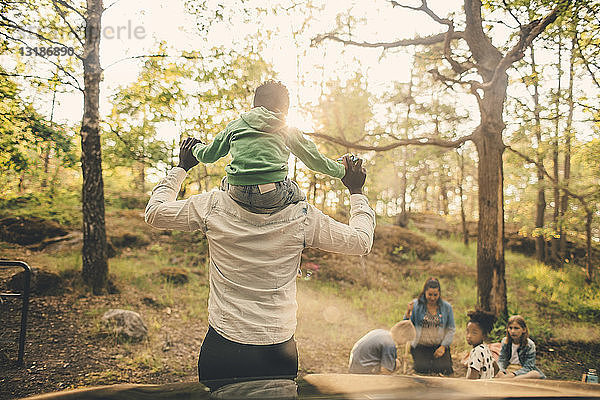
(564, 290)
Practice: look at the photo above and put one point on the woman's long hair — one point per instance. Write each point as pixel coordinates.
(521, 321)
(431, 283)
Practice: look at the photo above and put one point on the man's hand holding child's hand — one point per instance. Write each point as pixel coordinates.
(355, 176)
(186, 158)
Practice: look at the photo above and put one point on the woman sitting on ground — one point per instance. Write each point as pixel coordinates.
(433, 319)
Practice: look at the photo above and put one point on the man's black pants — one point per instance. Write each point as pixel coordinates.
(223, 361)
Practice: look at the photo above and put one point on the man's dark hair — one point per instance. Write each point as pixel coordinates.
(484, 319)
(272, 95)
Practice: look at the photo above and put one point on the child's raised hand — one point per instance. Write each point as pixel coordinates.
(186, 158)
(355, 176)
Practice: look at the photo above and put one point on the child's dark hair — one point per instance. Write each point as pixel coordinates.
(484, 319)
(272, 95)
(431, 283)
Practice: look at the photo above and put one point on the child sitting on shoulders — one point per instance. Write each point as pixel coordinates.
(481, 363)
(517, 356)
(260, 144)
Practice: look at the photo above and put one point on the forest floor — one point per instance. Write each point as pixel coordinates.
(340, 298)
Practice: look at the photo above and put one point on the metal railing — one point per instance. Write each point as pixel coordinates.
(25, 296)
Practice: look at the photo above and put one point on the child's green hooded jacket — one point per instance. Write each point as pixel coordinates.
(260, 144)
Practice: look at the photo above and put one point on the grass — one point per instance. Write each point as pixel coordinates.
(564, 291)
(557, 304)
(63, 206)
(455, 251)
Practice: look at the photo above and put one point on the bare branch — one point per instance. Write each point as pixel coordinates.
(64, 18)
(64, 71)
(17, 40)
(112, 4)
(500, 22)
(473, 85)
(41, 78)
(528, 33)
(424, 141)
(522, 104)
(588, 106)
(427, 40)
(589, 69)
(70, 7)
(579, 197)
(445, 79)
(187, 57)
(12, 24)
(457, 67)
(423, 7)
(511, 13)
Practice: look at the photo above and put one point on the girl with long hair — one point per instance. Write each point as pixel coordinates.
(517, 357)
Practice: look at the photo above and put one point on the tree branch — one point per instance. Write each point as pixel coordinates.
(589, 68)
(424, 141)
(423, 7)
(64, 71)
(70, 7)
(457, 67)
(527, 35)
(473, 85)
(42, 78)
(64, 18)
(111, 4)
(511, 13)
(187, 57)
(136, 156)
(427, 40)
(12, 24)
(580, 198)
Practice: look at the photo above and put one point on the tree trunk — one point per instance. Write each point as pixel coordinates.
(49, 146)
(491, 283)
(312, 189)
(94, 254)
(540, 207)
(425, 187)
(443, 192)
(46, 164)
(403, 219)
(588, 236)
(322, 208)
(564, 203)
(207, 179)
(21, 187)
(555, 242)
(142, 176)
(463, 217)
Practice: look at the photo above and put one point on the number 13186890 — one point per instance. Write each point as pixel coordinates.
(46, 51)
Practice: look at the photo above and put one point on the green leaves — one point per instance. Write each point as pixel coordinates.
(24, 133)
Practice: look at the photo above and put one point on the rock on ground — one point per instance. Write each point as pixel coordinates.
(126, 323)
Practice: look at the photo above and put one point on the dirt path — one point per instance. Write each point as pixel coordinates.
(64, 349)
(328, 327)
